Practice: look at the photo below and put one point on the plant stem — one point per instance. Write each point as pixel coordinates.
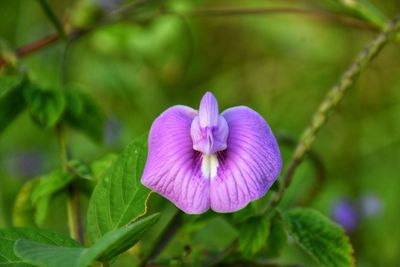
(332, 99)
(73, 205)
(163, 239)
(74, 213)
(53, 18)
(318, 166)
(62, 146)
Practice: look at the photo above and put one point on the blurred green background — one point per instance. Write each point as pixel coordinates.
(281, 64)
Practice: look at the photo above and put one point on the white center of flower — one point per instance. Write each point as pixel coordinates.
(209, 166)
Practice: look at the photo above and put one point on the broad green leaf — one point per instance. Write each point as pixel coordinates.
(100, 166)
(253, 235)
(39, 254)
(120, 240)
(84, 114)
(324, 240)
(45, 106)
(44, 190)
(24, 210)
(119, 197)
(8, 238)
(277, 238)
(106, 248)
(11, 99)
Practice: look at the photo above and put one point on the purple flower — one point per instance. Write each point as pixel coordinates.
(112, 131)
(26, 163)
(202, 159)
(370, 205)
(346, 214)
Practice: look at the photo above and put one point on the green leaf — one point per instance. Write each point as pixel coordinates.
(100, 166)
(277, 238)
(362, 9)
(24, 210)
(106, 248)
(44, 190)
(84, 114)
(9, 237)
(369, 12)
(45, 106)
(324, 240)
(11, 99)
(80, 169)
(119, 196)
(50, 184)
(120, 240)
(253, 235)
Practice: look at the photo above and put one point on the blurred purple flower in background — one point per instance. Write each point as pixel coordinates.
(112, 131)
(26, 163)
(349, 214)
(345, 213)
(370, 205)
(108, 5)
(202, 159)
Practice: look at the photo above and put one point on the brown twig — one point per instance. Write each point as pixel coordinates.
(320, 14)
(54, 38)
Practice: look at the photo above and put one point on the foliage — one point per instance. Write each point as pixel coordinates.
(320, 237)
(135, 59)
(119, 197)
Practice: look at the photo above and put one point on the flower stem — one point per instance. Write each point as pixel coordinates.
(74, 214)
(163, 238)
(73, 205)
(53, 18)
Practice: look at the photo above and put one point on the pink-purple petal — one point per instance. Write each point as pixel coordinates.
(173, 168)
(208, 111)
(250, 164)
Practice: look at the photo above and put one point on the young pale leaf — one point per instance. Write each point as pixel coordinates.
(324, 240)
(45, 106)
(24, 210)
(50, 184)
(44, 190)
(109, 246)
(119, 197)
(11, 99)
(84, 114)
(10, 236)
(253, 235)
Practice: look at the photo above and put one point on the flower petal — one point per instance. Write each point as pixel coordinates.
(208, 111)
(173, 168)
(250, 164)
